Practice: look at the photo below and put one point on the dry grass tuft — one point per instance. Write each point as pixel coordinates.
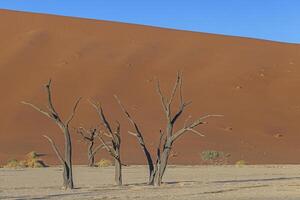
(104, 163)
(241, 163)
(32, 161)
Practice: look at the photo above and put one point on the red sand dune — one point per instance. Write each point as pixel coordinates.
(255, 84)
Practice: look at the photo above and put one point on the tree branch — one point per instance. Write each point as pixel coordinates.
(99, 147)
(138, 135)
(200, 120)
(50, 104)
(118, 128)
(82, 132)
(178, 82)
(132, 133)
(73, 111)
(110, 150)
(182, 104)
(192, 126)
(160, 139)
(162, 98)
(55, 149)
(180, 111)
(102, 117)
(37, 109)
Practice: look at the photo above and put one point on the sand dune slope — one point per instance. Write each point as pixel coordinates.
(255, 84)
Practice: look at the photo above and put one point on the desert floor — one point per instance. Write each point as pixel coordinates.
(181, 182)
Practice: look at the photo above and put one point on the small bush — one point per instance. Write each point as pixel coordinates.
(104, 163)
(13, 163)
(240, 163)
(32, 155)
(211, 155)
(35, 163)
(214, 157)
(32, 161)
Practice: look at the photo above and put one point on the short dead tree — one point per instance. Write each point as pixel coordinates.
(65, 160)
(113, 147)
(167, 139)
(89, 137)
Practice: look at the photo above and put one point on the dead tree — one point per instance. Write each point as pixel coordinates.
(138, 134)
(114, 146)
(89, 137)
(167, 139)
(65, 160)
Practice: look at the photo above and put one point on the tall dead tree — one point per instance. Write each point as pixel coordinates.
(167, 139)
(89, 137)
(138, 134)
(114, 146)
(65, 160)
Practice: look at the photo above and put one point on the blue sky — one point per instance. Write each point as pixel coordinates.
(277, 20)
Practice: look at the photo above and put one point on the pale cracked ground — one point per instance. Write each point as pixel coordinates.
(181, 182)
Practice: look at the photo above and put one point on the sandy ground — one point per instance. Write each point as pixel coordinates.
(181, 182)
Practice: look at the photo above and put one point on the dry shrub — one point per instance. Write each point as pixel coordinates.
(240, 163)
(32, 155)
(35, 163)
(32, 161)
(104, 163)
(13, 163)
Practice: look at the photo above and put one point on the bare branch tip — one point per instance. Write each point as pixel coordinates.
(47, 137)
(48, 85)
(23, 102)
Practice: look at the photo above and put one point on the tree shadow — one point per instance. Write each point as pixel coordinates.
(234, 189)
(28, 197)
(257, 180)
(145, 184)
(178, 182)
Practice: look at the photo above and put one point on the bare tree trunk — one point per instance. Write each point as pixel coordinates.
(151, 175)
(91, 157)
(162, 163)
(118, 166)
(157, 179)
(68, 158)
(89, 136)
(118, 172)
(66, 161)
(114, 148)
(162, 167)
(138, 134)
(67, 179)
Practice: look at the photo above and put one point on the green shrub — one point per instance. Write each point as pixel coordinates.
(214, 157)
(211, 155)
